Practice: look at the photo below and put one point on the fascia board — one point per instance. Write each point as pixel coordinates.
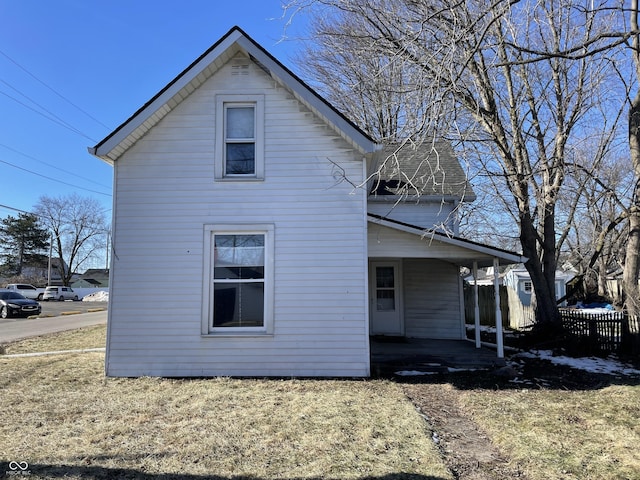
(420, 198)
(309, 98)
(103, 149)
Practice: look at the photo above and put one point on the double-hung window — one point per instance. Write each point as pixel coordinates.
(240, 125)
(239, 279)
(239, 139)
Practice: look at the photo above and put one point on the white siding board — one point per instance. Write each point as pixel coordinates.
(166, 193)
(425, 214)
(431, 299)
(388, 242)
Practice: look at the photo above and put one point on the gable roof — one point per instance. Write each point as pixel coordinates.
(426, 169)
(233, 42)
(474, 251)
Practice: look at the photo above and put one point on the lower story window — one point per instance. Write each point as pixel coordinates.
(239, 280)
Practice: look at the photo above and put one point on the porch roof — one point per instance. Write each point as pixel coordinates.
(391, 238)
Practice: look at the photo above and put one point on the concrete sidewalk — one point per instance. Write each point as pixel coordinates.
(24, 328)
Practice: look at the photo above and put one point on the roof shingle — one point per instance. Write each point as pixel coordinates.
(426, 169)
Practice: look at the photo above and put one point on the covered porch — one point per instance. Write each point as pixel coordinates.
(417, 302)
(390, 355)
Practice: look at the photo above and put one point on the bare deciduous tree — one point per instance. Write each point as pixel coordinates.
(78, 227)
(520, 79)
(594, 207)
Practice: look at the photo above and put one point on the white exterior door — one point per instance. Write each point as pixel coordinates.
(385, 307)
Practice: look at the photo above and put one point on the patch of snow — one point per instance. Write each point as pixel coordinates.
(594, 311)
(485, 328)
(96, 297)
(609, 365)
(413, 373)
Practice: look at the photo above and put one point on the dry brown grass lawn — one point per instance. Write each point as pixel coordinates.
(87, 337)
(60, 414)
(556, 434)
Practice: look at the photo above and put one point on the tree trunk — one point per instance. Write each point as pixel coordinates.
(547, 314)
(631, 266)
(632, 257)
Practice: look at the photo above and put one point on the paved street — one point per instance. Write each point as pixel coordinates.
(17, 328)
(55, 308)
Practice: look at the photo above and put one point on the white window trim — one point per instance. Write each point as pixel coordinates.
(529, 284)
(268, 230)
(256, 100)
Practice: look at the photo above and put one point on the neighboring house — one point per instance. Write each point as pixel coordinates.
(244, 245)
(519, 280)
(41, 271)
(520, 293)
(93, 278)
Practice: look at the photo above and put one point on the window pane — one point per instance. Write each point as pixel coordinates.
(384, 277)
(385, 301)
(238, 305)
(240, 122)
(241, 159)
(238, 251)
(238, 273)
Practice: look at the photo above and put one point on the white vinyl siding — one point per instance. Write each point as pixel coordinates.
(388, 242)
(167, 191)
(431, 299)
(425, 214)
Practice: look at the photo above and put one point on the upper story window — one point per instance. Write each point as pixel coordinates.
(240, 143)
(240, 139)
(528, 286)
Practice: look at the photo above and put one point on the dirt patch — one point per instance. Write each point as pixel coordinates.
(467, 451)
(465, 447)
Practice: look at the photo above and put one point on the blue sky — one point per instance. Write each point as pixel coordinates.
(88, 65)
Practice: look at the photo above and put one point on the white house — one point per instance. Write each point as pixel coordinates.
(251, 236)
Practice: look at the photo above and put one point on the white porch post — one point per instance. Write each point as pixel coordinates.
(476, 307)
(496, 286)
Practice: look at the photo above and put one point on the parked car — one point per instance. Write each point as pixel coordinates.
(12, 304)
(27, 290)
(59, 293)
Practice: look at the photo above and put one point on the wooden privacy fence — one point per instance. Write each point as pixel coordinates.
(487, 304)
(602, 332)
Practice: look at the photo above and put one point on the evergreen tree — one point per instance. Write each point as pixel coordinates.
(22, 240)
